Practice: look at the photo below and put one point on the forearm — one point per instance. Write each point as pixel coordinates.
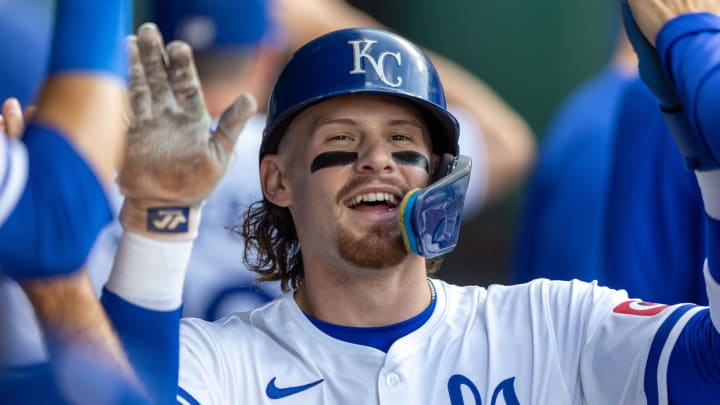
(687, 47)
(72, 143)
(87, 111)
(83, 97)
(77, 331)
(151, 339)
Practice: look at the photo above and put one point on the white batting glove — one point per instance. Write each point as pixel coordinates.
(172, 161)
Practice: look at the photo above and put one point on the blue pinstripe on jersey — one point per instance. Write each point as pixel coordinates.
(187, 397)
(656, 349)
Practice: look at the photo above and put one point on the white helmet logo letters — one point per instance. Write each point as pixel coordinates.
(361, 50)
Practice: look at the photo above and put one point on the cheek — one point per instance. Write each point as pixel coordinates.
(416, 176)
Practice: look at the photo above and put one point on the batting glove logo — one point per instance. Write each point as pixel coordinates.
(168, 219)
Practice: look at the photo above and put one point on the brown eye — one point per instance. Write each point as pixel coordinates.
(339, 139)
(400, 138)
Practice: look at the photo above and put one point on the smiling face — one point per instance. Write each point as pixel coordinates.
(342, 169)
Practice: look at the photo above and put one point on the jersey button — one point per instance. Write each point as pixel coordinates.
(392, 380)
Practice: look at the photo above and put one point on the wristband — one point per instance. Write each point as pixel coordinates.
(150, 272)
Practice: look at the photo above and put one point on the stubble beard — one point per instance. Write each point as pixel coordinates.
(381, 247)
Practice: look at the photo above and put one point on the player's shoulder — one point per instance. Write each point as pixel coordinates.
(541, 288)
(540, 293)
(254, 325)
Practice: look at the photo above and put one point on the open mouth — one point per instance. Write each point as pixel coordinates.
(373, 200)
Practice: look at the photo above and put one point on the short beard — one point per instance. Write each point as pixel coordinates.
(378, 249)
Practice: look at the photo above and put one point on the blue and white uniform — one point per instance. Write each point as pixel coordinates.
(543, 342)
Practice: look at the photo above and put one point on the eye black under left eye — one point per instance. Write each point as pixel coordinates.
(335, 158)
(411, 158)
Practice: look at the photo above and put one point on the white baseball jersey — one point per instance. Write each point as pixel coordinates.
(544, 342)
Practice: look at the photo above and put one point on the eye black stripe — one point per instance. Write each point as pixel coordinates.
(410, 158)
(329, 159)
(339, 158)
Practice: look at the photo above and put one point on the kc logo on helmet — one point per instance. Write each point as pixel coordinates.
(361, 52)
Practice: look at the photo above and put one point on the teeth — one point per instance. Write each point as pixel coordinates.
(372, 197)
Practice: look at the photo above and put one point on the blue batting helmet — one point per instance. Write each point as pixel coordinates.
(359, 60)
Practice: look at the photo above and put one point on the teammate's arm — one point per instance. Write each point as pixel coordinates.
(507, 143)
(72, 145)
(687, 36)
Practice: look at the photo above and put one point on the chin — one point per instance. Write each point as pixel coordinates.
(377, 249)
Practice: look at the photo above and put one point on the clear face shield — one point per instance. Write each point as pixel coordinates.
(430, 217)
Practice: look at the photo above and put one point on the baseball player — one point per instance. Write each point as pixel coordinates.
(52, 206)
(363, 188)
(236, 45)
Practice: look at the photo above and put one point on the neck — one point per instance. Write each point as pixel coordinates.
(364, 298)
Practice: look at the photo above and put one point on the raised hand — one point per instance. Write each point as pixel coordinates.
(173, 160)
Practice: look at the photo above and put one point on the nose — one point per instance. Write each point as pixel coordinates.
(375, 156)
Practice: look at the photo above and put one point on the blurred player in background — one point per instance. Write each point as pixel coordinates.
(611, 195)
(563, 217)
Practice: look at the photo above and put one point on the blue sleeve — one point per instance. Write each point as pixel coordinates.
(106, 22)
(694, 368)
(151, 340)
(83, 381)
(59, 214)
(689, 47)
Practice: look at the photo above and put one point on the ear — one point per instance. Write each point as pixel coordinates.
(273, 181)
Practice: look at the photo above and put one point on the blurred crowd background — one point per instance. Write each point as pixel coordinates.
(531, 53)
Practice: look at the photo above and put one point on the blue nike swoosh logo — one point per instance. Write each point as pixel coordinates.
(275, 392)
